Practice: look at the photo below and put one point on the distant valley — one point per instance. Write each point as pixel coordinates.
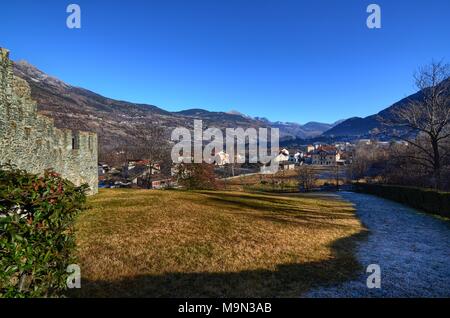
(118, 122)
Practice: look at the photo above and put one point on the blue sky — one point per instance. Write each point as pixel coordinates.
(285, 60)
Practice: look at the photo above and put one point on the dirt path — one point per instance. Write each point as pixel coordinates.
(411, 248)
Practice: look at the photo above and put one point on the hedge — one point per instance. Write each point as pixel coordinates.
(427, 200)
(36, 232)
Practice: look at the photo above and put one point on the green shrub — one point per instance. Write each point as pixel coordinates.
(427, 200)
(36, 232)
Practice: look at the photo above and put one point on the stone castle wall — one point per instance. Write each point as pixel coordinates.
(31, 142)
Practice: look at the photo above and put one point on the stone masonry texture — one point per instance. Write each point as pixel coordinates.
(31, 142)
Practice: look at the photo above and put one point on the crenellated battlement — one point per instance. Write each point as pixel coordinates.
(30, 141)
(6, 76)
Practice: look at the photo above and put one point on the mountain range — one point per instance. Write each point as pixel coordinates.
(373, 125)
(118, 122)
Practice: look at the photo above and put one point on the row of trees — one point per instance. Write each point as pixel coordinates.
(396, 164)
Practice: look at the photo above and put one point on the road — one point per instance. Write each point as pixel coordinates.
(411, 248)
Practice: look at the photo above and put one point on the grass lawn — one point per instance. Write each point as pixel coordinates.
(148, 243)
(282, 181)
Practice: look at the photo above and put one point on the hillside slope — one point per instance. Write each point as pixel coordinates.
(119, 122)
(363, 127)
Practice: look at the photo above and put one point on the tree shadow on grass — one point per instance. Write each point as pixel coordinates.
(282, 211)
(287, 280)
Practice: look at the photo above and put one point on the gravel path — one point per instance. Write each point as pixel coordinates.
(411, 248)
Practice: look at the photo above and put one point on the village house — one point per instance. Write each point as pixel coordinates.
(135, 173)
(287, 165)
(310, 148)
(103, 168)
(295, 157)
(325, 156)
(346, 158)
(282, 156)
(277, 162)
(133, 163)
(364, 142)
(221, 158)
(162, 182)
(145, 175)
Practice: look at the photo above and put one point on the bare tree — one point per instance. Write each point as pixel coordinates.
(196, 176)
(361, 162)
(116, 156)
(427, 119)
(336, 175)
(307, 177)
(153, 146)
(400, 169)
(369, 161)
